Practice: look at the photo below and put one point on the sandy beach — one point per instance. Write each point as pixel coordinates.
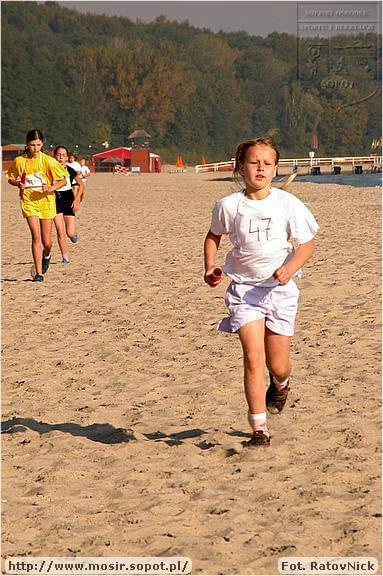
(123, 410)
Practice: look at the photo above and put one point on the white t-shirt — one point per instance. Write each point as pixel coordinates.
(76, 166)
(261, 232)
(84, 172)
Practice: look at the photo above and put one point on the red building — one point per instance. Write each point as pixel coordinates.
(9, 153)
(131, 158)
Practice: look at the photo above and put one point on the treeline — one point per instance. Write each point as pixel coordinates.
(84, 79)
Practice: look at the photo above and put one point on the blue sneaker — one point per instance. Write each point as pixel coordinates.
(73, 239)
(45, 263)
(65, 261)
(38, 278)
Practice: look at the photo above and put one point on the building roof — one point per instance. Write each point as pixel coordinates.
(121, 152)
(13, 147)
(139, 134)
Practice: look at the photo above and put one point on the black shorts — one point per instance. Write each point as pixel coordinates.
(64, 201)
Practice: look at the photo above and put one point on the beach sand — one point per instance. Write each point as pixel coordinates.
(124, 416)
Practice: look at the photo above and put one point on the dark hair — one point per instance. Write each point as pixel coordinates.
(34, 135)
(72, 154)
(58, 148)
(242, 149)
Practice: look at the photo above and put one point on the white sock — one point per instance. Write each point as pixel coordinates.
(280, 385)
(258, 421)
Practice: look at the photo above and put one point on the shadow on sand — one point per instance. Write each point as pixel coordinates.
(104, 433)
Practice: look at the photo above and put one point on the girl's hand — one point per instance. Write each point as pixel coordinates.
(74, 205)
(47, 188)
(283, 275)
(212, 279)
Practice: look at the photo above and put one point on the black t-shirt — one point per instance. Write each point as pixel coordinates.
(72, 174)
(70, 181)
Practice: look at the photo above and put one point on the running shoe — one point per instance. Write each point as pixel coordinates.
(276, 399)
(65, 261)
(38, 278)
(73, 239)
(259, 438)
(45, 263)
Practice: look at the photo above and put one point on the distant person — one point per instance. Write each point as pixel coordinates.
(66, 204)
(85, 174)
(37, 176)
(76, 166)
(262, 298)
(73, 163)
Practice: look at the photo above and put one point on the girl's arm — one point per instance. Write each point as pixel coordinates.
(45, 187)
(210, 249)
(302, 254)
(14, 176)
(51, 188)
(18, 183)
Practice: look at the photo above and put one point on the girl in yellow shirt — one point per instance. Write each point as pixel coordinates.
(37, 176)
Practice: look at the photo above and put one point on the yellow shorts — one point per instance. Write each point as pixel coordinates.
(40, 204)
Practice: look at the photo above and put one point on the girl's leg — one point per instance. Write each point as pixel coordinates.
(70, 226)
(61, 237)
(252, 337)
(252, 340)
(34, 227)
(46, 236)
(277, 350)
(82, 195)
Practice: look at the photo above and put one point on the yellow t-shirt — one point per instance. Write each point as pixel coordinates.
(38, 171)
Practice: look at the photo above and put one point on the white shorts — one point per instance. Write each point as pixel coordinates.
(277, 305)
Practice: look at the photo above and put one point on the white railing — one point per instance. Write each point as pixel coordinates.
(297, 162)
(215, 167)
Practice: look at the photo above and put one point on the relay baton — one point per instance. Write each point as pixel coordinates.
(216, 274)
(22, 180)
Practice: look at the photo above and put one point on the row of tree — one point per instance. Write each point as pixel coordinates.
(85, 79)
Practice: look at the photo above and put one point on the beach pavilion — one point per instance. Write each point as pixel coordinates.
(136, 160)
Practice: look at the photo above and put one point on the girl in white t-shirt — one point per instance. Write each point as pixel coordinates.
(262, 298)
(85, 174)
(76, 166)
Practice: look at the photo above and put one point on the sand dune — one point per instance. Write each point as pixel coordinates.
(124, 416)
